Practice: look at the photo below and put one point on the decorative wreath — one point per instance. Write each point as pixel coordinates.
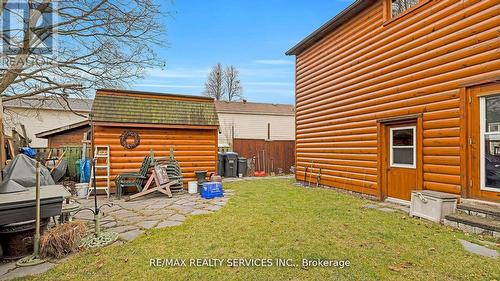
(127, 134)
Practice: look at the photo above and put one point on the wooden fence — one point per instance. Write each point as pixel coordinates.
(73, 153)
(270, 156)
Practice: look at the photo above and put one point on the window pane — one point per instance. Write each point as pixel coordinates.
(402, 156)
(492, 160)
(402, 137)
(399, 6)
(493, 114)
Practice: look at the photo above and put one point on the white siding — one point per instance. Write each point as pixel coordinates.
(37, 121)
(254, 126)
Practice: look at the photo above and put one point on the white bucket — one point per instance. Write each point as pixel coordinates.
(193, 187)
(81, 190)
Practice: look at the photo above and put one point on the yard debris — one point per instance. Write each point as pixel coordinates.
(62, 239)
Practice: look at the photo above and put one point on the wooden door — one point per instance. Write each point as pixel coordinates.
(401, 160)
(484, 141)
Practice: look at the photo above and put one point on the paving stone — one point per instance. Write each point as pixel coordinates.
(149, 212)
(147, 224)
(168, 223)
(370, 206)
(159, 216)
(213, 207)
(6, 267)
(387, 210)
(190, 203)
(177, 217)
(135, 219)
(221, 203)
(123, 214)
(478, 249)
(84, 215)
(200, 212)
(28, 270)
(131, 235)
(109, 224)
(121, 229)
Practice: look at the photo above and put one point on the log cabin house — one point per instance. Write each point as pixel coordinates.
(188, 124)
(394, 96)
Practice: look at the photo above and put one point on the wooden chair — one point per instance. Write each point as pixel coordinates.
(133, 179)
(161, 181)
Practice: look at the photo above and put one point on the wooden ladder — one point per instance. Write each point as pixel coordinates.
(101, 155)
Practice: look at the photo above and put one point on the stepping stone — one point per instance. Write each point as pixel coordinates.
(131, 235)
(387, 210)
(177, 217)
(28, 270)
(168, 224)
(221, 203)
(478, 249)
(200, 212)
(213, 208)
(147, 224)
(370, 206)
(121, 229)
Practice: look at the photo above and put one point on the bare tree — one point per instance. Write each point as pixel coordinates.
(232, 84)
(214, 87)
(98, 43)
(224, 84)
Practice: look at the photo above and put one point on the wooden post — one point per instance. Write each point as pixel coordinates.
(3, 157)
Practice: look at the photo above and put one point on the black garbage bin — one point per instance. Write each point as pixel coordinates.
(242, 167)
(220, 164)
(231, 165)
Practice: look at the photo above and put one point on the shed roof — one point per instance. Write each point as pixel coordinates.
(255, 108)
(352, 10)
(62, 129)
(122, 106)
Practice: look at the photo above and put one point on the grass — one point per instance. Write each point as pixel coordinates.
(275, 219)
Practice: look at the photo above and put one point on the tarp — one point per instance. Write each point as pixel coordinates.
(22, 170)
(11, 186)
(60, 170)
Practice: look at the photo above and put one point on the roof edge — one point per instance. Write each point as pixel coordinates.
(346, 14)
(51, 132)
(154, 94)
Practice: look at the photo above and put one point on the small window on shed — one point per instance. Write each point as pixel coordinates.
(399, 6)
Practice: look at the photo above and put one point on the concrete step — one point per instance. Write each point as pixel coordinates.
(474, 224)
(479, 209)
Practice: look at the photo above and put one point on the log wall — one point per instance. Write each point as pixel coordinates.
(195, 149)
(370, 68)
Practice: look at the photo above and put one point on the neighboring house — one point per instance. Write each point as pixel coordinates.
(249, 120)
(68, 135)
(262, 132)
(39, 115)
(394, 95)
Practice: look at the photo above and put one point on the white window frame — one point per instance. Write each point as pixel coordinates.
(482, 133)
(414, 147)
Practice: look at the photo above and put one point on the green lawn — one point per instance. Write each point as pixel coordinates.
(275, 219)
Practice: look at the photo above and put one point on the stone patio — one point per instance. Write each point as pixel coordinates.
(132, 218)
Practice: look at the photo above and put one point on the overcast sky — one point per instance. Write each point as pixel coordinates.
(251, 35)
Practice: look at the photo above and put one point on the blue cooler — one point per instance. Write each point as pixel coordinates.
(211, 190)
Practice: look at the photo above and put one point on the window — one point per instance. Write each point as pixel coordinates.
(403, 147)
(399, 6)
(490, 142)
